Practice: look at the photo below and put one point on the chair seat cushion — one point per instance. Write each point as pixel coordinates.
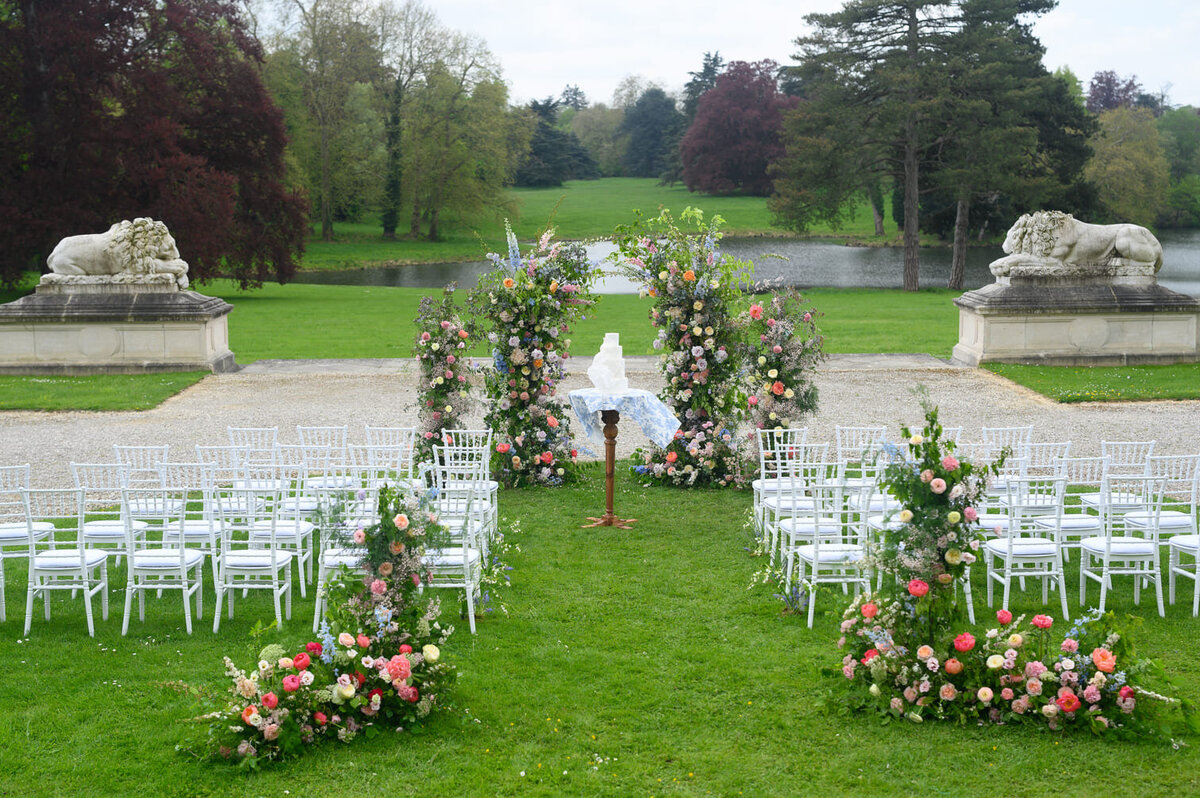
(332, 558)
(831, 552)
(299, 504)
(256, 560)
(1167, 519)
(450, 557)
(284, 530)
(110, 528)
(877, 504)
(20, 532)
(1121, 546)
(787, 503)
(1185, 542)
(882, 521)
(193, 529)
(166, 558)
(65, 559)
(1021, 547)
(804, 527)
(146, 507)
(329, 482)
(1072, 522)
(1115, 500)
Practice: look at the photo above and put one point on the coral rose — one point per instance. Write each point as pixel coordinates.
(778, 388)
(1042, 621)
(870, 610)
(756, 311)
(1068, 703)
(964, 642)
(270, 700)
(672, 457)
(401, 522)
(953, 666)
(301, 661)
(1104, 660)
(689, 275)
(1004, 617)
(918, 588)
(503, 448)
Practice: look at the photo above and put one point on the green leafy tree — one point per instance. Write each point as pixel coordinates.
(653, 125)
(1129, 168)
(599, 129)
(701, 81)
(1180, 132)
(554, 155)
(573, 97)
(874, 78)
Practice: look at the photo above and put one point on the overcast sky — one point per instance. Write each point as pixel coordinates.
(543, 45)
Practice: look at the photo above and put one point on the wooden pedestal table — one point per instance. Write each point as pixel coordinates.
(594, 407)
(610, 419)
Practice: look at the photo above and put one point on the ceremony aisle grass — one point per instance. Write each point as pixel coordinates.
(631, 663)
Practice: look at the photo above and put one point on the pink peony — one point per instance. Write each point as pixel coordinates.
(926, 475)
(756, 311)
(1104, 660)
(291, 683)
(503, 448)
(918, 588)
(301, 661)
(1068, 702)
(401, 522)
(270, 700)
(363, 641)
(1034, 686)
(346, 639)
(1091, 694)
(938, 485)
(1070, 646)
(1042, 621)
(950, 462)
(964, 642)
(870, 610)
(1004, 617)
(970, 514)
(378, 587)
(1007, 694)
(313, 648)
(1126, 692)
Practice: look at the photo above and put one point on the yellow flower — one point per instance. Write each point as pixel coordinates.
(953, 557)
(697, 331)
(995, 661)
(789, 393)
(431, 653)
(1015, 640)
(773, 373)
(762, 361)
(953, 516)
(916, 440)
(905, 516)
(708, 330)
(697, 305)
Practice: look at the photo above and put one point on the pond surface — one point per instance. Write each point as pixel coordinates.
(806, 264)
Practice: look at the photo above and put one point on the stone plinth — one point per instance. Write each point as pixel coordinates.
(93, 325)
(1059, 322)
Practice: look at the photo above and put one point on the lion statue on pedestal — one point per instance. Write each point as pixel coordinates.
(1056, 244)
(129, 251)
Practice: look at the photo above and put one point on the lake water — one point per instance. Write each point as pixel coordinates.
(806, 264)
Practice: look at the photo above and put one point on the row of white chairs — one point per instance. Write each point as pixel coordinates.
(822, 515)
(251, 518)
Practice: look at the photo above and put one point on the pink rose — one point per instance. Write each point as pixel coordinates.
(359, 536)
(270, 700)
(964, 642)
(378, 587)
(1004, 617)
(948, 692)
(752, 401)
(1007, 694)
(1034, 687)
(950, 462)
(424, 336)
(970, 514)
(756, 311)
(291, 683)
(926, 476)
(938, 485)
(870, 610)
(401, 522)
(1042, 621)
(346, 639)
(918, 588)
(271, 731)
(777, 349)
(320, 718)
(1070, 646)
(363, 641)
(1125, 692)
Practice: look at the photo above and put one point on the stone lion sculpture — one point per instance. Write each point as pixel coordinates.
(1056, 244)
(129, 251)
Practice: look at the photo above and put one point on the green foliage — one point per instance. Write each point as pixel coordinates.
(1129, 169)
(782, 351)
(443, 393)
(654, 127)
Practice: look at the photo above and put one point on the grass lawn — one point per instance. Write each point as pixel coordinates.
(1106, 383)
(633, 662)
(581, 209)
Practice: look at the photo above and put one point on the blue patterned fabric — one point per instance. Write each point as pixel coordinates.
(645, 408)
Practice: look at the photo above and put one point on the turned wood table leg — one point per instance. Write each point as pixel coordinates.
(610, 419)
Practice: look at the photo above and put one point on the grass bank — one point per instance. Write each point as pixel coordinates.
(632, 663)
(581, 209)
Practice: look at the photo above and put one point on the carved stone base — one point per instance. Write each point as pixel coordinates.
(1076, 323)
(98, 330)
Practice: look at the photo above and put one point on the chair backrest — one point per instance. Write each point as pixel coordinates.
(458, 489)
(1029, 498)
(142, 462)
(466, 448)
(196, 476)
(62, 507)
(1182, 475)
(1123, 493)
(1084, 472)
(1127, 457)
(468, 438)
(391, 436)
(159, 506)
(1015, 439)
(854, 442)
(259, 442)
(952, 434)
(228, 462)
(250, 503)
(827, 514)
(334, 438)
(1045, 459)
(12, 480)
(778, 446)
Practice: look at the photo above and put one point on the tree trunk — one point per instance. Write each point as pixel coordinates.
(878, 216)
(912, 210)
(414, 221)
(433, 225)
(958, 261)
(395, 170)
(326, 187)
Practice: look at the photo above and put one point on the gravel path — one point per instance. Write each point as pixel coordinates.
(854, 390)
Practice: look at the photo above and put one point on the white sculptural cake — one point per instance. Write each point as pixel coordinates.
(607, 371)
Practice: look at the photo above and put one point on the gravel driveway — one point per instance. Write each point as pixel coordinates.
(854, 390)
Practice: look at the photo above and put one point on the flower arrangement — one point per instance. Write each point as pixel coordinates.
(377, 662)
(443, 390)
(783, 349)
(694, 288)
(930, 550)
(1015, 672)
(530, 304)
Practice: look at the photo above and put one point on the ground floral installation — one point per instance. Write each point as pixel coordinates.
(376, 664)
(443, 390)
(783, 350)
(694, 289)
(529, 304)
(910, 654)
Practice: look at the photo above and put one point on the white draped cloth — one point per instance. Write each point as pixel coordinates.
(655, 419)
